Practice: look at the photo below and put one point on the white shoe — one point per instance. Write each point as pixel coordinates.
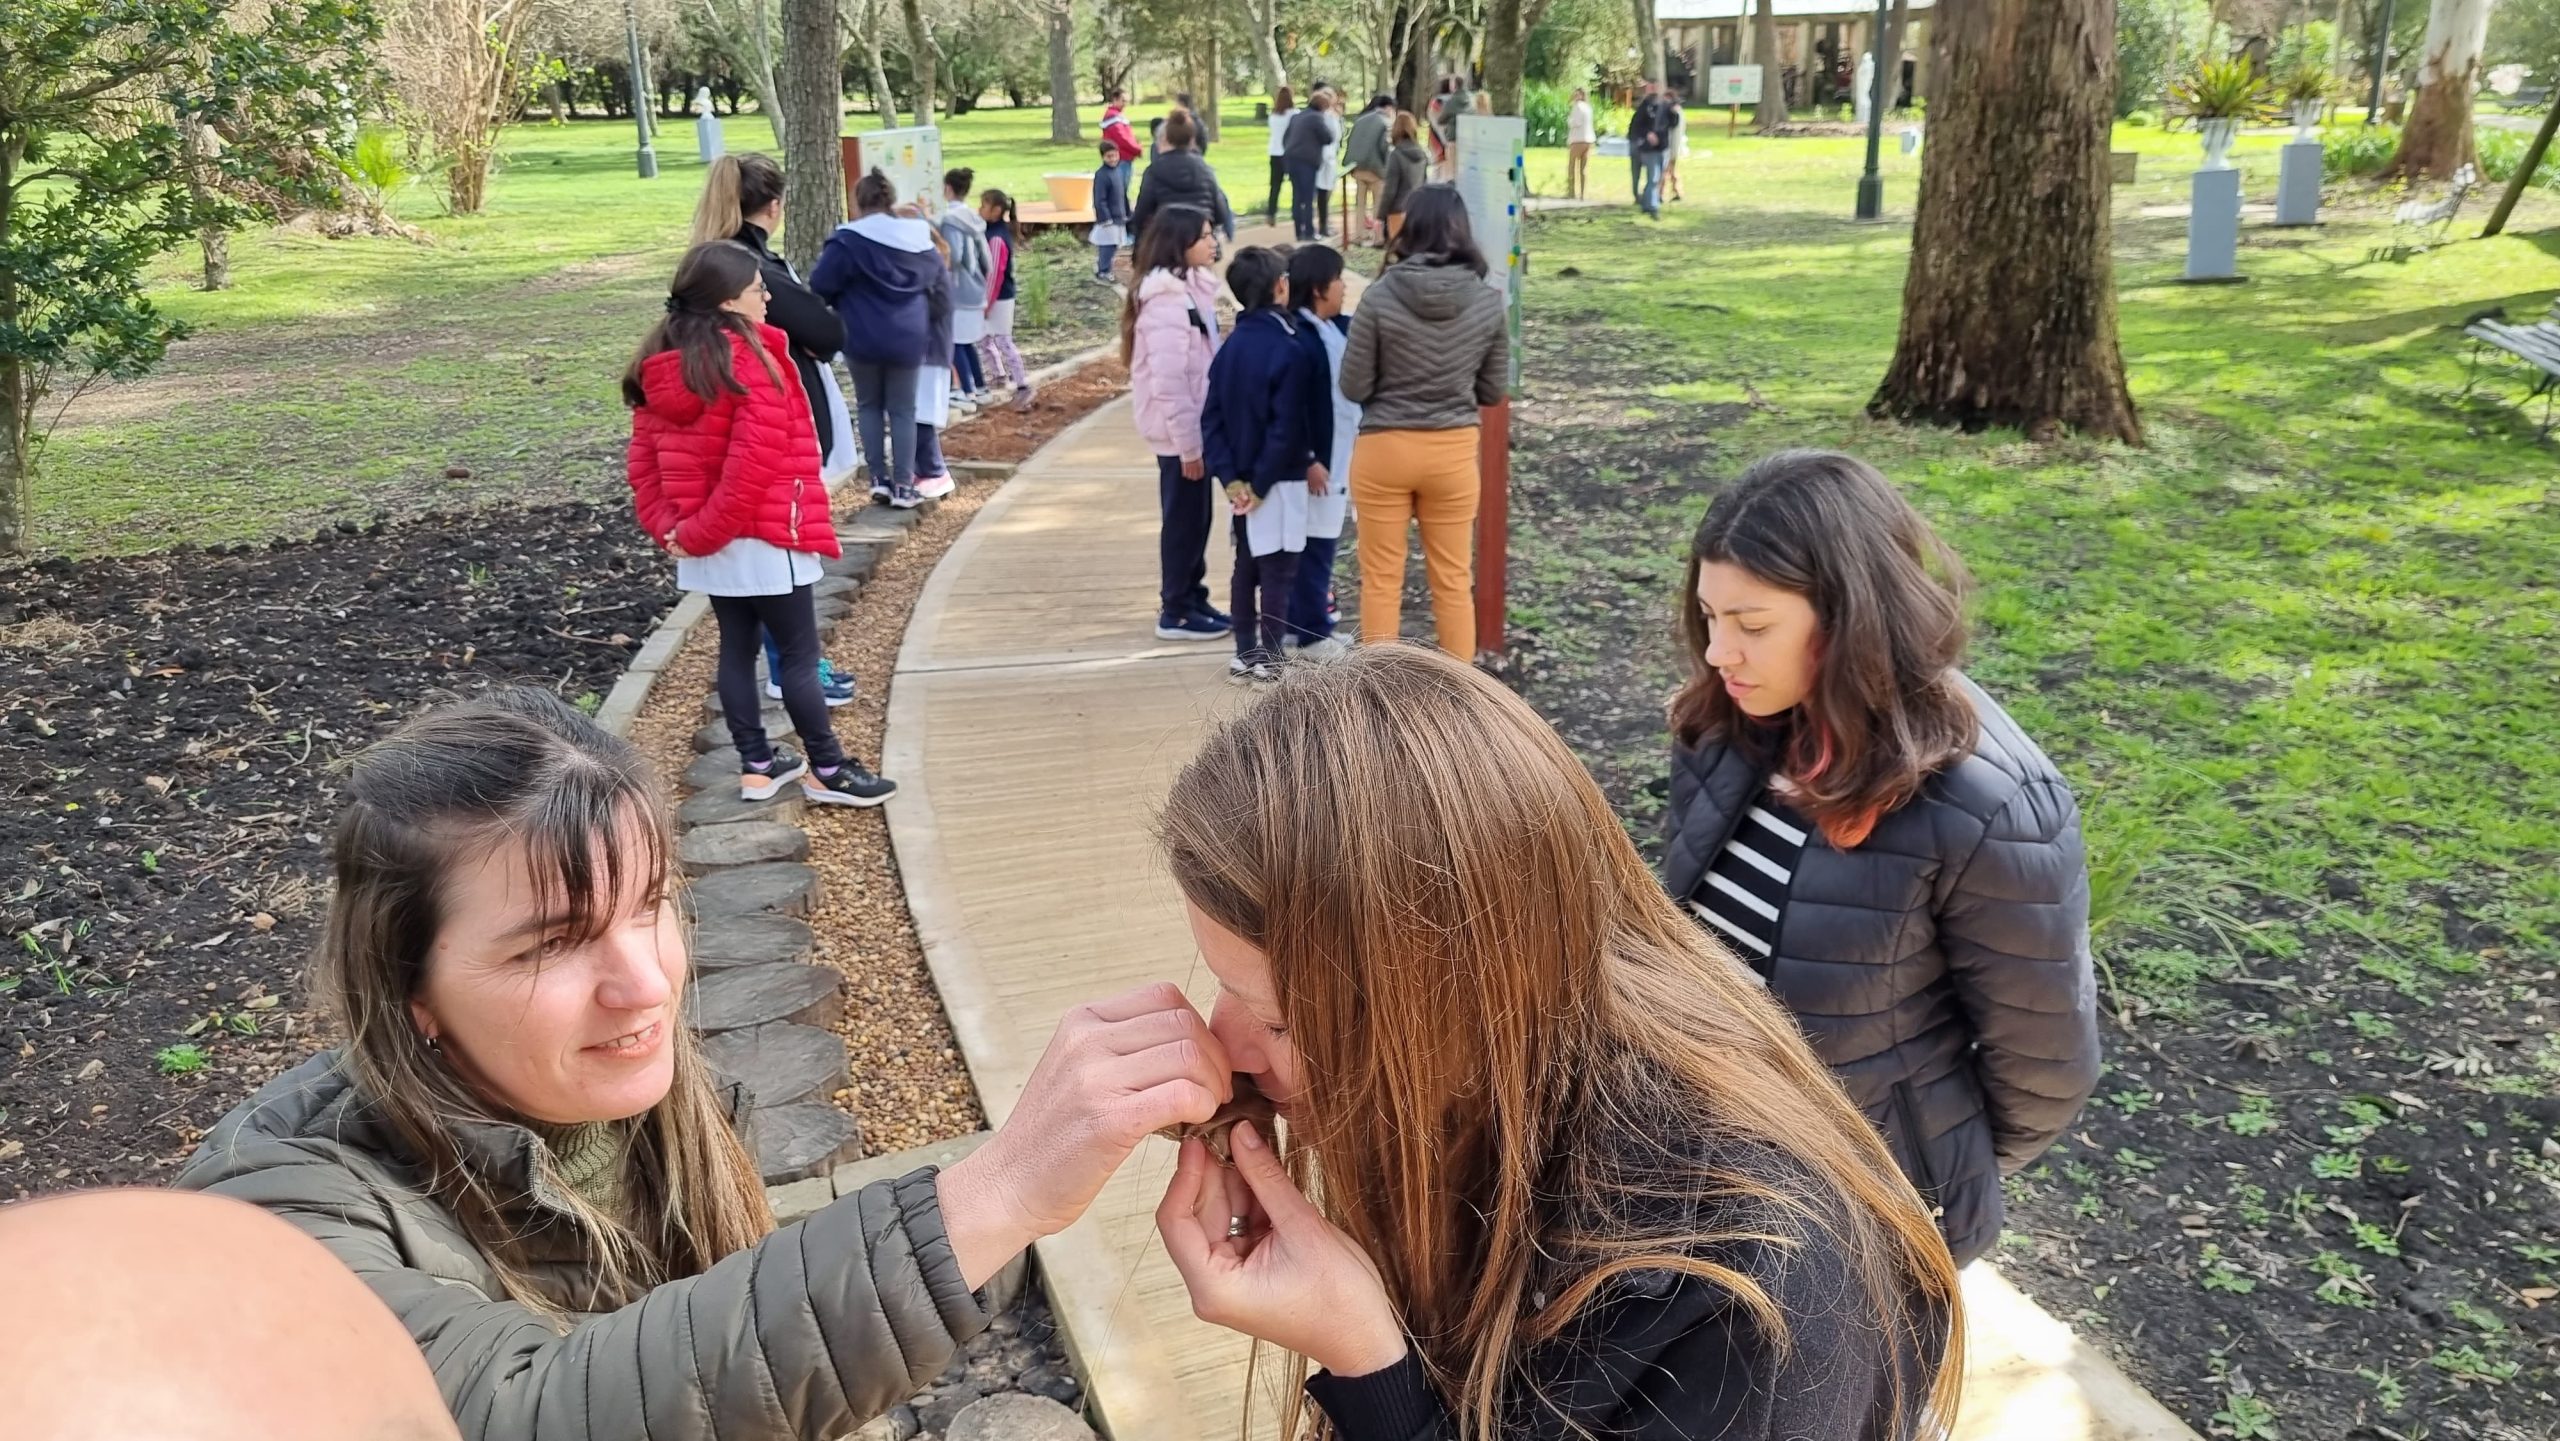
(1324, 650)
(1239, 673)
(933, 487)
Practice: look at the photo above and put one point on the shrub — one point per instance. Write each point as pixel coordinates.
(2502, 152)
(2359, 152)
(1544, 108)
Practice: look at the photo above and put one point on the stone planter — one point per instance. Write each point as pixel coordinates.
(2306, 118)
(2217, 135)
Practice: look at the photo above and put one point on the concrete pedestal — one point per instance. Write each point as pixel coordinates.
(2298, 184)
(2213, 226)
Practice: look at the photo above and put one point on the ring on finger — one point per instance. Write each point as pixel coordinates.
(1235, 1228)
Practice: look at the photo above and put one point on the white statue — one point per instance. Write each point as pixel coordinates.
(1866, 97)
(706, 127)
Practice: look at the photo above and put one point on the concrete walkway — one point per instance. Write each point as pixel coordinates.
(1035, 723)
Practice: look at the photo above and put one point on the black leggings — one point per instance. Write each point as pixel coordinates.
(1271, 207)
(792, 620)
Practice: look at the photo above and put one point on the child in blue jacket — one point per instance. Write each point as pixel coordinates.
(1265, 429)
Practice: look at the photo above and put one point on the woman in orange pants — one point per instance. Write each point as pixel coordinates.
(1427, 349)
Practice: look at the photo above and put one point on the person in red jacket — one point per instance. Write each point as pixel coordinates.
(725, 475)
(1123, 137)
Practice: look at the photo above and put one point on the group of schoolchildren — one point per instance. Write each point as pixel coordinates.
(1254, 419)
(734, 407)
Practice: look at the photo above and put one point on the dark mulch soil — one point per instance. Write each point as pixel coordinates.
(2374, 1261)
(172, 722)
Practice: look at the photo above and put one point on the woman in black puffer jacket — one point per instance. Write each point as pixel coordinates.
(1874, 837)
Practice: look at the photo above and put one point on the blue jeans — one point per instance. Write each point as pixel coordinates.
(1102, 260)
(886, 395)
(1302, 198)
(929, 450)
(1652, 162)
(1309, 618)
(964, 359)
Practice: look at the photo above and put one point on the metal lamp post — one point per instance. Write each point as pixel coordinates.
(1871, 184)
(639, 90)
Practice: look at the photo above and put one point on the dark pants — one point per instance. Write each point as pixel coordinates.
(964, 359)
(1271, 207)
(1259, 598)
(928, 451)
(792, 621)
(1324, 211)
(1302, 199)
(886, 397)
(1310, 613)
(1102, 259)
(1182, 547)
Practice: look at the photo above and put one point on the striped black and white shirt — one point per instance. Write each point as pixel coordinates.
(1744, 891)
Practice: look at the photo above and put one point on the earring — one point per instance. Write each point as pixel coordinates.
(434, 1044)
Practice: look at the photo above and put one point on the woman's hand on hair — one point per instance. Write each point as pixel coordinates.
(1115, 1072)
(1292, 1279)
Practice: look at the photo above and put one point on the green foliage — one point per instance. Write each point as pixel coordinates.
(2222, 90)
(2306, 79)
(96, 98)
(2247, 1418)
(1576, 42)
(182, 1059)
(1545, 107)
(2502, 154)
(1033, 285)
(2144, 39)
(377, 161)
(2358, 152)
(2526, 32)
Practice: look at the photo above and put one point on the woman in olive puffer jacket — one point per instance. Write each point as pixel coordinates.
(523, 1151)
(1874, 837)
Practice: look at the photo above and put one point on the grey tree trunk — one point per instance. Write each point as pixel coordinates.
(1772, 110)
(920, 45)
(883, 100)
(202, 145)
(1506, 49)
(813, 108)
(1266, 42)
(1648, 40)
(2438, 139)
(1064, 126)
(2009, 311)
(757, 62)
(1207, 92)
(1897, 34)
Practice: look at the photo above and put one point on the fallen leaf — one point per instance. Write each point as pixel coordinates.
(91, 1071)
(2533, 1296)
(265, 1003)
(262, 922)
(9, 1149)
(159, 784)
(209, 945)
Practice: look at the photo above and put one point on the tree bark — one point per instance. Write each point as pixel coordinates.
(813, 106)
(17, 406)
(1648, 40)
(2437, 141)
(202, 145)
(741, 31)
(884, 101)
(2009, 311)
(1897, 34)
(1207, 92)
(2524, 173)
(920, 46)
(1506, 54)
(1265, 15)
(1064, 126)
(1772, 110)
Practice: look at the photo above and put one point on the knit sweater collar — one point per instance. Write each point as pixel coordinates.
(588, 1159)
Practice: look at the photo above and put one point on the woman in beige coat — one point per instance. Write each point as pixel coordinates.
(520, 1148)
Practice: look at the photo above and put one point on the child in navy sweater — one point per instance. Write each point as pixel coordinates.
(1265, 430)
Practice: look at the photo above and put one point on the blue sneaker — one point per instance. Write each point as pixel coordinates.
(1215, 616)
(1190, 627)
(837, 689)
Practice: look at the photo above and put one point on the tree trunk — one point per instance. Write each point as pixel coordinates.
(813, 110)
(2009, 311)
(756, 58)
(1265, 15)
(2524, 173)
(2437, 140)
(920, 46)
(201, 147)
(17, 407)
(883, 99)
(1772, 110)
(1207, 93)
(1064, 127)
(1897, 34)
(1648, 40)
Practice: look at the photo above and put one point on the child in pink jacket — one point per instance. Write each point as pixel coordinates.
(1168, 333)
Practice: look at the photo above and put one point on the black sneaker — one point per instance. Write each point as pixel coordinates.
(851, 785)
(764, 782)
(905, 497)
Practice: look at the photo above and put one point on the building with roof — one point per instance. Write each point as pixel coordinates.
(1819, 42)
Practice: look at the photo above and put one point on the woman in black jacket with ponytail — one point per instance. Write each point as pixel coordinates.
(1873, 836)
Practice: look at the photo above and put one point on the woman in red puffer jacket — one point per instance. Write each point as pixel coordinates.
(725, 474)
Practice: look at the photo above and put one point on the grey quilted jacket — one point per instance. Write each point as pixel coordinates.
(823, 1325)
(1941, 967)
(1428, 345)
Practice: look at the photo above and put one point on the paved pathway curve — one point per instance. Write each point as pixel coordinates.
(1034, 723)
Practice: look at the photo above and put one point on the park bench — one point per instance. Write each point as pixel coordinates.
(2537, 345)
(2439, 214)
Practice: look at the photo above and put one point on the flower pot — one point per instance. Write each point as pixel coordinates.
(2217, 135)
(1070, 192)
(2306, 118)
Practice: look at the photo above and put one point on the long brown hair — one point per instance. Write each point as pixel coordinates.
(1887, 709)
(1169, 236)
(1512, 1039)
(709, 274)
(519, 766)
(739, 186)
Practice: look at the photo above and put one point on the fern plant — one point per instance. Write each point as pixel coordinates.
(2222, 90)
